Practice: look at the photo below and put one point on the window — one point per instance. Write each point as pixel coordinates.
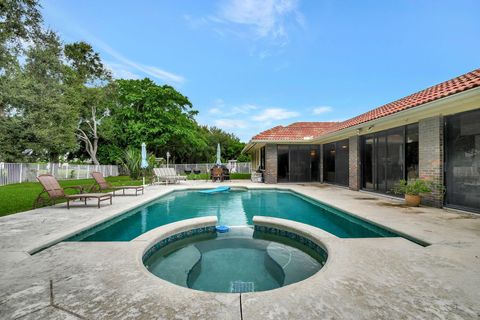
(262, 158)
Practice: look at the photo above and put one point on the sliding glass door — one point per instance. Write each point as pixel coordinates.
(283, 165)
(384, 156)
(298, 163)
(463, 160)
(335, 162)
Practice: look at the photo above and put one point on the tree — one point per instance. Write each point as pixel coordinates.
(20, 24)
(39, 97)
(231, 146)
(158, 115)
(93, 93)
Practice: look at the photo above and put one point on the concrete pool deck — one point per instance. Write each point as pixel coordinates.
(382, 278)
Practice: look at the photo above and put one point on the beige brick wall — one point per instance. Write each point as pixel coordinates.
(431, 156)
(271, 163)
(354, 162)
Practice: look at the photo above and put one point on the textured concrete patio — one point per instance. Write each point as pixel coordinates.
(387, 278)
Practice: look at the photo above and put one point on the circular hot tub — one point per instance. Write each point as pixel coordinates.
(243, 259)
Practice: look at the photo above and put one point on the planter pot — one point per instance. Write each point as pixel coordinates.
(412, 200)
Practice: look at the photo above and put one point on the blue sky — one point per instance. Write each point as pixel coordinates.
(250, 65)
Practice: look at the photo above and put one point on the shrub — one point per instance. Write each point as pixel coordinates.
(130, 161)
(414, 187)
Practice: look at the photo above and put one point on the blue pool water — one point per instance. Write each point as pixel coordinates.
(233, 208)
(238, 261)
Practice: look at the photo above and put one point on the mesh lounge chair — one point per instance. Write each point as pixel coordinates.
(173, 174)
(54, 192)
(102, 185)
(167, 175)
(160, 175)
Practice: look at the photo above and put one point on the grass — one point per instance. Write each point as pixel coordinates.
(20, 196)
(204, 176)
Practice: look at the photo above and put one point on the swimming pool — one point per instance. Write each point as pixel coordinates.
(233, 208)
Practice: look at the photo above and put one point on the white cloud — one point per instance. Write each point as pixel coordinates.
(228, 111)
(149, 70)
(321, 109)
(230, 124)
(121, 71)
(265, 17)
(215, 110)
(243, 109)
(275, 114)
(129, 67)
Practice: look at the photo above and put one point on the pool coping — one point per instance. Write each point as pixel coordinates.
(318, 236)
(91, 224)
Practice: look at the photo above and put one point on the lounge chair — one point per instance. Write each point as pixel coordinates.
(160, 175)
(102, 185)
(173, 174)
(167, 175)
(54, 192)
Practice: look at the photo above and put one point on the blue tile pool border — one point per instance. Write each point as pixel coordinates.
(174, 238)
(294, 237)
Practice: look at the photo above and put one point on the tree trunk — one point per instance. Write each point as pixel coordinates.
(93, 155)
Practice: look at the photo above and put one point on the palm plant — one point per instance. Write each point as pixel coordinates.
(131, 161)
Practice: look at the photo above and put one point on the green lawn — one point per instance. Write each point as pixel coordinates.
(20, 196)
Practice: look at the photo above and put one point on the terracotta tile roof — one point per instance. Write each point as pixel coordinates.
(299, 130)
(456, 85)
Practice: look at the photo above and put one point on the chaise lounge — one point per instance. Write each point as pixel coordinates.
(167, 175)
(102, 185)
(55, 192)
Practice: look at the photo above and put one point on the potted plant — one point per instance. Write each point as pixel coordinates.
(412, 189)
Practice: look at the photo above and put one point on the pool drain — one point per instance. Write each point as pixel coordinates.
(241, 286)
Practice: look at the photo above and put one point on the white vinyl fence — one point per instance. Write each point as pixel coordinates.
(27, 172)
(240, 167)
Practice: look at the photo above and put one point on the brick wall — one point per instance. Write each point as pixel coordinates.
(431, 156)
(271, 163)
(354, 168)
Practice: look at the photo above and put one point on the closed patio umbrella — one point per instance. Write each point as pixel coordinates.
(219, 161)
(144, 163)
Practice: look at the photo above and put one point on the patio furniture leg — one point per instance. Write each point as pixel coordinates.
(85, 200)
(99, 202)
(110, 200)
(123, 191)
(68, 203)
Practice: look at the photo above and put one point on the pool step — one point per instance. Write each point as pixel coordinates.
(292, 261)
(170, 268)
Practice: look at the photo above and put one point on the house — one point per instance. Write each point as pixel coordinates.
(432, 134)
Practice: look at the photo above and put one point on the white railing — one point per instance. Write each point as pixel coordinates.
(28, 172)
(240, 167)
